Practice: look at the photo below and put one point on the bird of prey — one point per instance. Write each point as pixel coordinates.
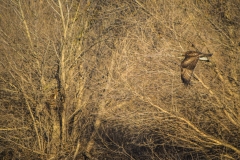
(189, 63)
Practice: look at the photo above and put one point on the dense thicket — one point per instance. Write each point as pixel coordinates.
(101, 79)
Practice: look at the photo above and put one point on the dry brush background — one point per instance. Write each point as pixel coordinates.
(83, 79)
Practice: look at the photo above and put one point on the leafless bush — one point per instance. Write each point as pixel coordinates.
(101, 79)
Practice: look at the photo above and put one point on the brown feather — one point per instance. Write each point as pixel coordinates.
(205, 55)
(186, 75)
(189, 63)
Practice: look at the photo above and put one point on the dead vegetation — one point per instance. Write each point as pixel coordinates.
(114, 70)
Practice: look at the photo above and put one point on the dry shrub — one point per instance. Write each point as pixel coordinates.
(124, 95)
(150, 114)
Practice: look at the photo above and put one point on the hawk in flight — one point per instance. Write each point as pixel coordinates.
(189, 63)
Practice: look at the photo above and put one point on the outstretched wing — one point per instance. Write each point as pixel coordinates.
(186, 75)
(187, 67)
